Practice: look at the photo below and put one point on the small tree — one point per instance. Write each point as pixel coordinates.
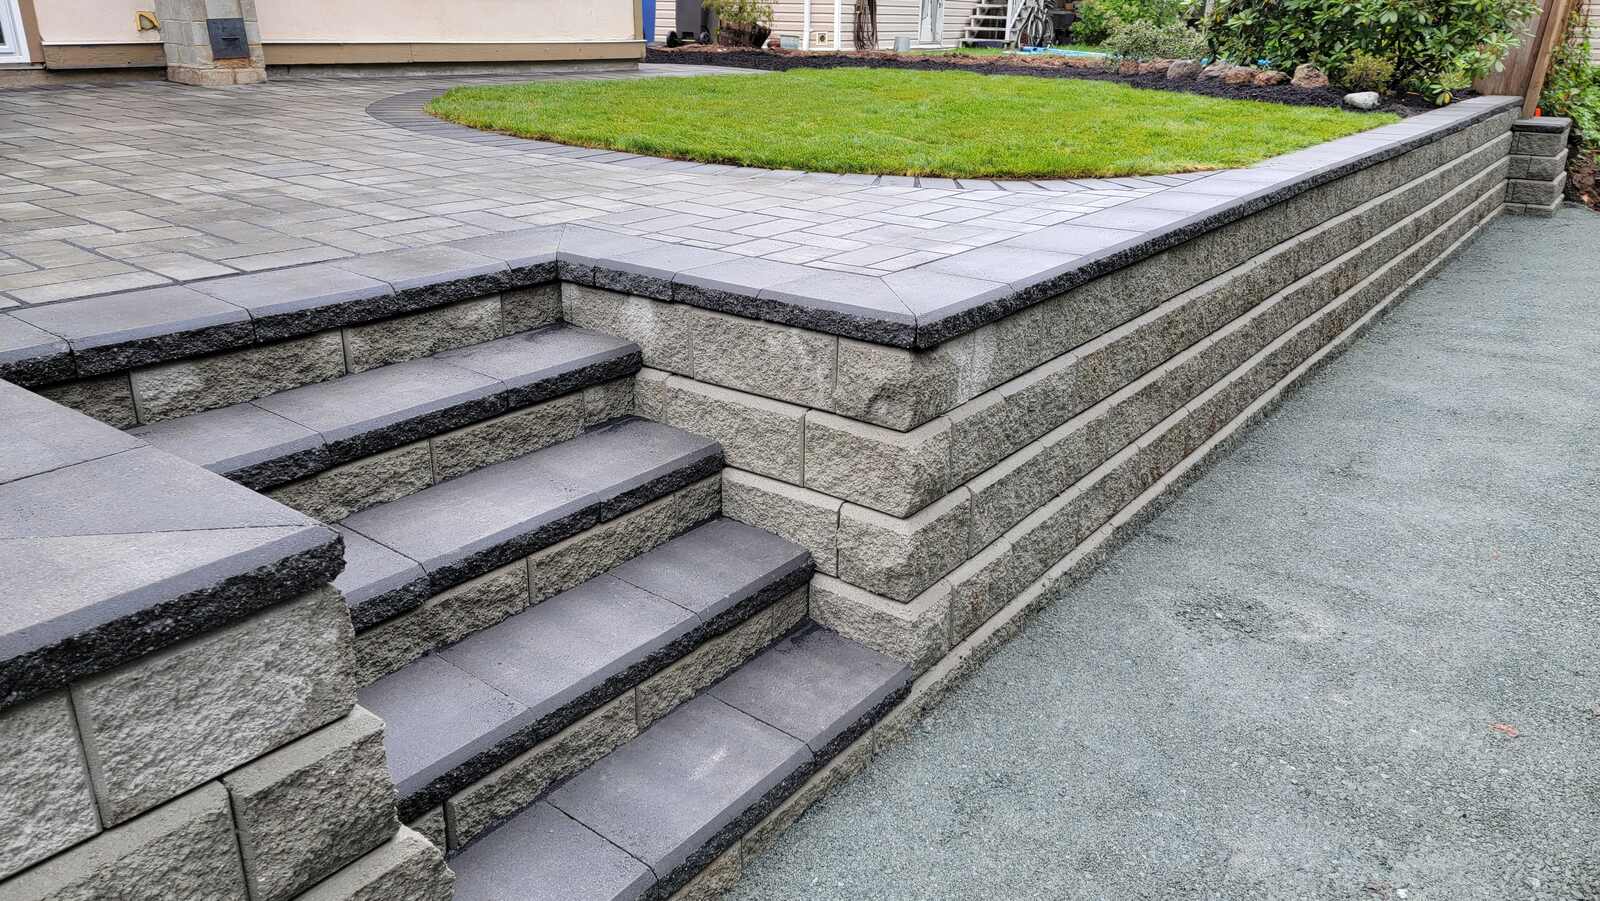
(745, 22)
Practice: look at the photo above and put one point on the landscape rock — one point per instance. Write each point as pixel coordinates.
(1154, 66)
(1128, 67)
(1309, 76)
(1239, 75)
(1367, 100)
(1270, 78)
(1183, 68)
(1216, 69)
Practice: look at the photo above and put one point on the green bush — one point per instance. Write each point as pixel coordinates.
(1147, 40)
(1367, 73)
(741, 13)
(1097, 17)
(1572, 88)
(1438, 46)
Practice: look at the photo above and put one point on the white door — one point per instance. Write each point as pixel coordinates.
(13, 45)
(932, 14)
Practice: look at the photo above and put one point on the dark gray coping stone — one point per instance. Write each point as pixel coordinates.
(1550, 124)
(545, 855)
(30, 355)
(286, 303)
(113, 557)
(470, 525)
(41, 435)
(136, 328)
(107, 334)
(572, 654)
(297, 433)
(670, 792)
(688, 787)
(378, 583)
(843, 680)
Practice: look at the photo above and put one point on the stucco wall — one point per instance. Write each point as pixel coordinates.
(92, 22)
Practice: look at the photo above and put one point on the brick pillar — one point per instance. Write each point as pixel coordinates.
(192, 55)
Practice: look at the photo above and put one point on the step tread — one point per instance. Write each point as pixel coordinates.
(682, 790)
(469, 525)
(550, 664)
(301, 431)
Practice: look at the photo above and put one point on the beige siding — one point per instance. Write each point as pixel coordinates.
(1592, 7)
(896, 18)
(666, 18)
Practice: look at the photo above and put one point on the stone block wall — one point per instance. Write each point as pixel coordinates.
(1538, 175)
(935, 486)
(235, 764)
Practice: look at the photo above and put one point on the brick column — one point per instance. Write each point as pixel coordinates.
(194, 56)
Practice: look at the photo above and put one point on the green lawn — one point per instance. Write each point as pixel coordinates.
(887, 121)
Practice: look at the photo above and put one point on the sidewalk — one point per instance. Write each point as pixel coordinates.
(1359, 658)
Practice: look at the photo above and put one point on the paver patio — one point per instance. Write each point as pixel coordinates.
(111, 188)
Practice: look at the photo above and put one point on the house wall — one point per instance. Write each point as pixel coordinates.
(103, 34)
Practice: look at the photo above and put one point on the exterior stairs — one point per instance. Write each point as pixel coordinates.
(592, 683)
(987, 26)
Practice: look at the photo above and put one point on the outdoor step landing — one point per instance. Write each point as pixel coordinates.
(457, 714)
(404, 551)
(297, 433)
(643, 820)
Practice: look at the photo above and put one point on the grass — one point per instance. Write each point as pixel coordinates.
(893, 122)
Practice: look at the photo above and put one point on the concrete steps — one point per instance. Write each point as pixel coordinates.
(640, 822)
(407, 552)
(457, 714)
(309, 431)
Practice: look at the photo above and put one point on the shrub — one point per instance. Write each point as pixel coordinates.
(1147, 40)
(1096, 17)
(1572, 88)
(1437, 46)
(1367, 73)
(741, 13)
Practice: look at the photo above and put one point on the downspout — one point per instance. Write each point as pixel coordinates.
(805, 27)
(838, 25)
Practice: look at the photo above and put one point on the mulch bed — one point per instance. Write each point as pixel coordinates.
(1583, 179)
(1041, 66)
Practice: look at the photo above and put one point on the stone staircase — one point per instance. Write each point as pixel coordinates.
(592, 683)
(987, 26)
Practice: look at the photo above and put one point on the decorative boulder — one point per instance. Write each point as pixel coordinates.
(1215, 70)
(1128, 67)
(1239, 75)
(1183, 68)
(1271, 77)
(1154, 66)
(1368, 100)
(1309, 76)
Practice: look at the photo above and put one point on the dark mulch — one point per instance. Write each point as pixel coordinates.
(1038, 67)
(1583, 178)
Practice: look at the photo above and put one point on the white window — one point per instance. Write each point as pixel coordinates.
(13, 45)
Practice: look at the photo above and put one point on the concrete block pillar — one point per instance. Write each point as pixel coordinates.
(1537, 177)
(211, 42)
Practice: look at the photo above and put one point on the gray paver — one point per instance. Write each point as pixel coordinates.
(538, 365)
(233, 441)
(378, 583)
(710, 569)
(139, 327)
(42, 435)
(302, 299)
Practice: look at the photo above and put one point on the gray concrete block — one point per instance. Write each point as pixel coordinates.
(448, 616)
(30, 355)
(1537, 168)
(663, 330)
(917, 632)
(807, 518)
(182, 851)
(523, 309)
(170, 390)
(180, 717)
(814, 685)
(756, 433)
(777, 361)
(1538, 143)
(894, 387)
(900, 558)
(1536, 192)
(666, 796)
(544, 853)
(509, 436)
(378, 583)
(897, 473)
(108, 399)
(407, 868)
(342, 491)
(420, 334)
(49, 803)
(308, 808)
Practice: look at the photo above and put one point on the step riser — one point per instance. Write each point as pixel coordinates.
(406, 468)
(451, 615)
(157, 393)
(504, 785)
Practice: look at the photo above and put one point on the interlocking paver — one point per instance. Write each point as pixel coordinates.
(107, 188)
